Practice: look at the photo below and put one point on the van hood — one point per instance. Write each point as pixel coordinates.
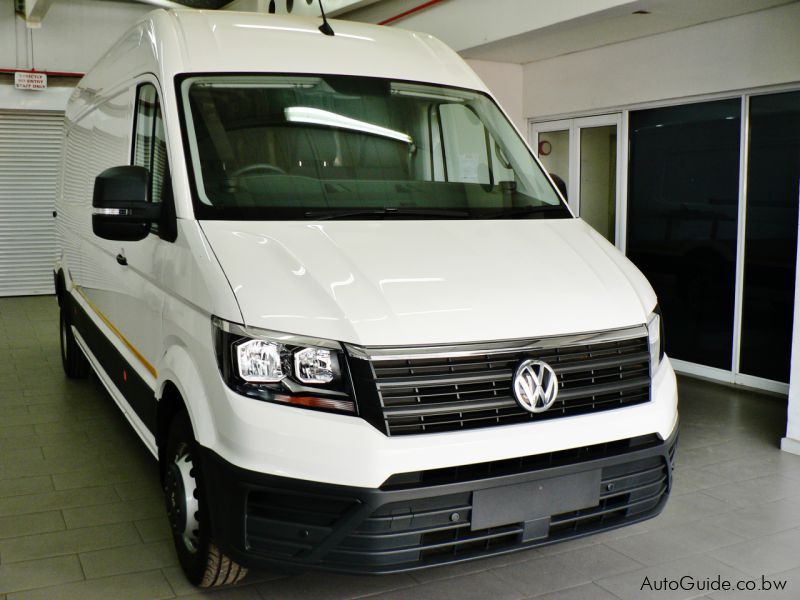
(386, 283)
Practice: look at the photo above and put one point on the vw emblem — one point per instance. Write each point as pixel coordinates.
(535, 385)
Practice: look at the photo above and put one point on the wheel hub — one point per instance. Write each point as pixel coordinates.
(182, 505)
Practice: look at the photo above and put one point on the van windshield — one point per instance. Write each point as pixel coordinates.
(326, 147)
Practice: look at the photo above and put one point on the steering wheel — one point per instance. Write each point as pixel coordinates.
(255, 168)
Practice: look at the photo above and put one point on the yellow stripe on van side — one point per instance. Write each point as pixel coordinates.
(145, 363)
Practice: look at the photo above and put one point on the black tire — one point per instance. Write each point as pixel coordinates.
(75, 364)
(203, 563)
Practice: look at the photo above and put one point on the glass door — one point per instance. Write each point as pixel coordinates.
(770, 236)
(683, 191)
(583, 154)
(552, 141)
(598, 182)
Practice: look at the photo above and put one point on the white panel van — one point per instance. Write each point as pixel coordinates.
(339, 299)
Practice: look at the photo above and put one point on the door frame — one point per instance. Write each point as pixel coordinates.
(574, 126)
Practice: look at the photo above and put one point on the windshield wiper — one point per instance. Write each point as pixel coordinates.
(388, 212)
(542, 211)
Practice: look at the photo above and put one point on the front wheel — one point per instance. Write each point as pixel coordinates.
(203, 563)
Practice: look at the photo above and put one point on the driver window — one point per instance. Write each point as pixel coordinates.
(150, 146)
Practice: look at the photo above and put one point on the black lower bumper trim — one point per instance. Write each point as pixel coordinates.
(262, 519)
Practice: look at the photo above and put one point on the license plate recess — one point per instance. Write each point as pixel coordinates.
(533, 502)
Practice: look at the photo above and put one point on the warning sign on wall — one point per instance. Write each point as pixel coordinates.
(30, 81)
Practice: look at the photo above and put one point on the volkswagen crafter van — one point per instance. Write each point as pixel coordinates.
(338, 298)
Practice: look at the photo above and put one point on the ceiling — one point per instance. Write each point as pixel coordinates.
(521, 32)
(611, 26)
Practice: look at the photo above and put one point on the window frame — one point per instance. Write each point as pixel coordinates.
(202, 211)
(139, 83)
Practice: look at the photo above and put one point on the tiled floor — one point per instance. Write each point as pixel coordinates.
(81, 511)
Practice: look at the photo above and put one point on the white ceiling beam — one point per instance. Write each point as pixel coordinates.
(35, 10)
(464, 24)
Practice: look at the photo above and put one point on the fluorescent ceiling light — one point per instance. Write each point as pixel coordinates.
(316, 116)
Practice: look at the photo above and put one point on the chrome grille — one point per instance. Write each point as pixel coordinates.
(469, 386)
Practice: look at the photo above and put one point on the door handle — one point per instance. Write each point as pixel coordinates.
(122, 260)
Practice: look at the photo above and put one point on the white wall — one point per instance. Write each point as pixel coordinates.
(505, 82)
(76, 33)
(8, 37)
(73, 36)
(752, 50)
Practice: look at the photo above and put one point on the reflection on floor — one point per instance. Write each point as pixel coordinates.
(81, 513)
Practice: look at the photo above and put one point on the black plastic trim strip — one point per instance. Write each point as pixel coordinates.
(139, 396)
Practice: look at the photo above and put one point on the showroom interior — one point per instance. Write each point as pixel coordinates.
(674, 126)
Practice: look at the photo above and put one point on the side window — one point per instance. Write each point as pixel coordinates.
(466, 145)
(149, 144)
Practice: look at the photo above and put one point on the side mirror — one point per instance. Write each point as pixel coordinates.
(560, 184)
(120, 208)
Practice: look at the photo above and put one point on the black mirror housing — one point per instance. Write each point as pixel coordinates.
(121, 210)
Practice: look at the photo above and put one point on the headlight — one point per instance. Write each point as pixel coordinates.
(313, 365)
(259, 361)
(655, 339)
(284, 368)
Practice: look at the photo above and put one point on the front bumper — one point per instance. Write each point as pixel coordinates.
(423, 519)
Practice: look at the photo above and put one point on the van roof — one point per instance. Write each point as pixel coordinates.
(172, 42)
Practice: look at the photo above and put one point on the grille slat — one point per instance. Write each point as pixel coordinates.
(660, 482)
(451, 366)
(656, 469)
(422, 514)
(496, 532)
(600, 512)
(446, 379)
(408, 533)
(603, 388)
(449, 407)
(411, 397)
(439, 393)
(587, 378)
(604, 363)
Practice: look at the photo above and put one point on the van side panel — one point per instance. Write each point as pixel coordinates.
(97, 140)
(195, 288)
